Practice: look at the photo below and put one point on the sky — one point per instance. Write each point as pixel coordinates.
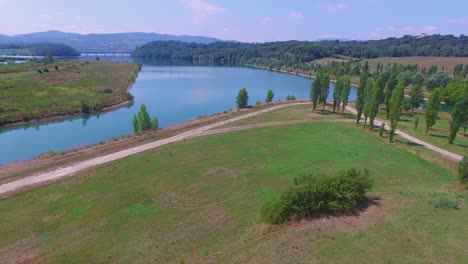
(242, 20)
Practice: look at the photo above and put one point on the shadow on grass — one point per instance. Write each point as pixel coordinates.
(461, 145)
(438, 136)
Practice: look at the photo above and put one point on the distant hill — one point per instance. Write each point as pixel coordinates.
(117, 42)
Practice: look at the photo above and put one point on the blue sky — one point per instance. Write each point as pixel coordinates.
(252, 20)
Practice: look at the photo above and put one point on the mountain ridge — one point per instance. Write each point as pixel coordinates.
(96, 42)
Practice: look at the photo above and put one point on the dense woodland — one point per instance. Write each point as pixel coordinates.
(290, 53)
(41, 49)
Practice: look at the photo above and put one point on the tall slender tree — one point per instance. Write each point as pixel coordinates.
(368, 99)
(325, 83)
(316, 90)
(361, 92)
(337, 93)
(432, 109)
(417, 96)
(242, 98)
(377, 98)
(345, 92)
(391, 84)
(270, 96)
(396, 107)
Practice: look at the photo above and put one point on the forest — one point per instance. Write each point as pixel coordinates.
(39, 49)
(297, 52)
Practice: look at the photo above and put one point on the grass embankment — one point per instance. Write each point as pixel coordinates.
(69, 87)
(198, 201)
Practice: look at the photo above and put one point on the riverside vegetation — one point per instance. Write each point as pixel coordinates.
(49, 88)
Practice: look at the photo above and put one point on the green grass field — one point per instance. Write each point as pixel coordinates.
(26, 94)
(198, 201)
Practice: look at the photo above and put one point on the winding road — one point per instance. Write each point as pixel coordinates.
(60, 173)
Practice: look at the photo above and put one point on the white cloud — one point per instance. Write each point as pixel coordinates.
(461, 21)
(338, 7)
(296, 15)
(202, 9)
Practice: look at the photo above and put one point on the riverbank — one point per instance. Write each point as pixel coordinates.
(39, 92)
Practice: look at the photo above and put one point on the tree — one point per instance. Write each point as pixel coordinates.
(242, 98)
(382, 129)
(136, 126)
(463, 170)
(391, 84)
(432, 109)
(418, 79)
(144, 119)
(376, 100)
(270, 96)
(337, 93)
(396, 106)
(459, 116)
(417, 96)
(325, 83)
(368, 99)
(361, 92)
(316, 90)
(345, 93)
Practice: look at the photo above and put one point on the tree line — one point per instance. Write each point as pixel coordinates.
(291, 53)
(43, 49)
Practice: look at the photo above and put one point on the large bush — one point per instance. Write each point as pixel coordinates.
(314, 195)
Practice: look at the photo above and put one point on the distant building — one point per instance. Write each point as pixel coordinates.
(423, 35)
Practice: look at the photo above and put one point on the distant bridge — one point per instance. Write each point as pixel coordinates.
(105, 54)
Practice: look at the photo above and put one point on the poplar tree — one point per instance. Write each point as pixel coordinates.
(325, 83)
(391, 84)
(368, 99)
(270, 96)
(417, 96)
(432, 109)
(396, 107)
(242, 98)
(337, 93)
(345, 92)
(361, 91)
(316, 90)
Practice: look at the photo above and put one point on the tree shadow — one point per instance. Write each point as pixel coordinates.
(364, 205)
(461, 145)
(406, 120)
(438, 136)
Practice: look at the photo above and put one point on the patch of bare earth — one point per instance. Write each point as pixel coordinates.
(22, 251)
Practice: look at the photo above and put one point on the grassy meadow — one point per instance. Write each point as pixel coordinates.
(36, 90)
(198, 201)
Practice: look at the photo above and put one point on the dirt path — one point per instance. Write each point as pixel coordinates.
(42, 178)
(404, 135)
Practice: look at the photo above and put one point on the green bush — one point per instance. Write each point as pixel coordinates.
(312, 196)
(444, 203)
(290, 98)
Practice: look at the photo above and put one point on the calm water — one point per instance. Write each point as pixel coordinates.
(172, 93)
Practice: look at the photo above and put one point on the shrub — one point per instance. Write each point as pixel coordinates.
(85, 108)
(382, 129)
(463, 170)
(39, 71)
(45, 70)
(416, 123)
(290, 98)
(444, 203)
(270, 96)
(155, 123)
(107, 91)
(312, 196)
(56, 68)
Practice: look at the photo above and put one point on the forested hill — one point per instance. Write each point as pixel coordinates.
(40, 49)
(304, 51)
